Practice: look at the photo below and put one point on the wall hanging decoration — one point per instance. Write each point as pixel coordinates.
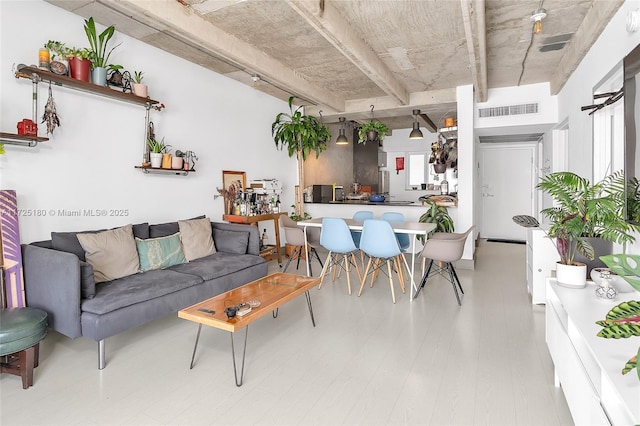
(11, 256)
(399, 164)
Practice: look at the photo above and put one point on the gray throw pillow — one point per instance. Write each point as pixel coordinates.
(68, 241)
(164, 229)
(235, 242)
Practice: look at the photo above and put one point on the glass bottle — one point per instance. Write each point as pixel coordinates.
(264, 240)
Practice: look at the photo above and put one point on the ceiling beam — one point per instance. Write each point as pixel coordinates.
(473, 19)
(327, 20)
(592, 26)
(428, 123)
(188, 26)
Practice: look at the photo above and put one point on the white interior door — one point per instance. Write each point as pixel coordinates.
(507, 173)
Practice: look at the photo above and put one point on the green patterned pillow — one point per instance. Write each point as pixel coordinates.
(157, 253)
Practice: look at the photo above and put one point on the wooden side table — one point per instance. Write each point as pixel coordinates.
(267, 254)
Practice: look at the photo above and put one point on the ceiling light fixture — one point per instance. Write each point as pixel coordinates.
(342, 138)
(416, 133)
(537, 17)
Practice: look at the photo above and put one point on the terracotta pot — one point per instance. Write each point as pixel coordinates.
(80, 69)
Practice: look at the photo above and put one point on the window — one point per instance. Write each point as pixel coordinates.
(416, 169)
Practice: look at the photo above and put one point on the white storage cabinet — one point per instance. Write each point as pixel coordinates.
(541, 263)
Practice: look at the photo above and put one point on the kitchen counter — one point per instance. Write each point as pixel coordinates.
(371, 203)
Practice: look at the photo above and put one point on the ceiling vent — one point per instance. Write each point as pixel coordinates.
(558, 42)
(508, 110)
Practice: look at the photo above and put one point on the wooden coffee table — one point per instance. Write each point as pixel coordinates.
(271, 291)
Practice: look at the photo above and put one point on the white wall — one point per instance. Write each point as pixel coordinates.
(605, 54)
(89, 162)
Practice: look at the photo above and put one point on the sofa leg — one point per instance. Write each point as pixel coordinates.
(101, 358)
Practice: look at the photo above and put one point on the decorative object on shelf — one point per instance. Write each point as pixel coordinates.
(190, 159)
(617, 281)
(229, 196)
(177, 160)
(50, 115)
(449, 122)
(99, 54)
(372, 131)
(582, 210)
(44, 57)
(234, 181)
(79, 64)
(27, 127)
(605, 289)
(139, 88)
(114, 76)
(59, 57)
(300, 134)
(166, 160)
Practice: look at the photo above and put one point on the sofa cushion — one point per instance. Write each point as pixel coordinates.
(87, 282)
(158, 253)
(68, 241)
(196, 237)
(218, 265)
(112, 253)
(137, 288)
(231, 241)
(165, 229)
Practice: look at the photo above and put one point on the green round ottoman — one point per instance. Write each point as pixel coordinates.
(21, 330)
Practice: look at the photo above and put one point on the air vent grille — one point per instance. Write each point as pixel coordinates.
(508, 110)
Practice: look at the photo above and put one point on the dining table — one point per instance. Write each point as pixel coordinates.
(411, 228)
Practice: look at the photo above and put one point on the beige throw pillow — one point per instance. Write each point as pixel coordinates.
(196, 238)
(112, 253)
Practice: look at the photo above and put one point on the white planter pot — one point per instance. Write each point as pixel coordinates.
(156, 159)
(574, 276)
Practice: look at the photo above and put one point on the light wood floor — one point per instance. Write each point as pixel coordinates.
(367, 362)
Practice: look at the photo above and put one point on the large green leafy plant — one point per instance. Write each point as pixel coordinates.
(300, 135)
(98, 42)
(438, 215)
(581, 211)
(372, 126)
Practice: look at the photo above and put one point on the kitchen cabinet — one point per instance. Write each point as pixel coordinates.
(586, 366)
(541, 263)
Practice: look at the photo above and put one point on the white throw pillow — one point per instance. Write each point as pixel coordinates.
(112, 254)
(196, 237)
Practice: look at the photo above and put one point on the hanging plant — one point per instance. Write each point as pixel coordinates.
(372, 131)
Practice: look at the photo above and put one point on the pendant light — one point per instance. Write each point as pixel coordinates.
(537, 17)
(342, 138)
(416, 133)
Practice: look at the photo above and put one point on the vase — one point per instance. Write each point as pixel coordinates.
(156, 159)
(166, 161)
(140, 90)
(99, 76)
(372, 135)
(60, 66)
(80, 69)
(573, 276)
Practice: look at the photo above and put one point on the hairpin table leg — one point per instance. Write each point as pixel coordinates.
(233, 355)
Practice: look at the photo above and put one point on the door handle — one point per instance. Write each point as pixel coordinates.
(484, 194)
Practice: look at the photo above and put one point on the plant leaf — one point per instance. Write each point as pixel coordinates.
(625, 265)
(526, 221)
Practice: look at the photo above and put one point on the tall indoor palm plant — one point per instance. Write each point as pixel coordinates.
(300, 134)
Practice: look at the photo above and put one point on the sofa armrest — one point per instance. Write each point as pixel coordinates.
(253, 246)
(52, 283)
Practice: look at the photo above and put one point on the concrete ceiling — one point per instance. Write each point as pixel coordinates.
(341, 57)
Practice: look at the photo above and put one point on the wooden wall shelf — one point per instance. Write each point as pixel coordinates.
(32, 73)
(23, 140)
(153, 170)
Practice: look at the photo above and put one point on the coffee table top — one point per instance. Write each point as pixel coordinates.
(271, 291)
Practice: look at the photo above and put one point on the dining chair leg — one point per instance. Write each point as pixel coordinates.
(353, 257)
(289, 260)
(422, 264)
(393, 294)
(399, 266)
(453, 282)
(327, 262)
(425, 276)
(346, 267)
(456, 276)
(376, 270)
(364, 278)
(317, 257)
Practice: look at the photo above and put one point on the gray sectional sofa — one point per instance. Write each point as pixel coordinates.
(59, 281)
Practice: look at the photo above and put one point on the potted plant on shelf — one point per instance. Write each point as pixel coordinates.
(99, 54)
(79, 63)
(59, 60)
(139, 88)
(157, 149)
(371, 131)
(300, 134)
(582, 211)
(438, 215)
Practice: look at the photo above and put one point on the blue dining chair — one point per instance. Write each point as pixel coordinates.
(379, 242)
(403, 239)
(360, 215)
(336, 238)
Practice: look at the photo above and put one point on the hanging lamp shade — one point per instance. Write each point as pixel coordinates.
(416, 133)
(342, 138)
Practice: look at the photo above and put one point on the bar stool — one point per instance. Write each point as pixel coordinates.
(21, 330)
